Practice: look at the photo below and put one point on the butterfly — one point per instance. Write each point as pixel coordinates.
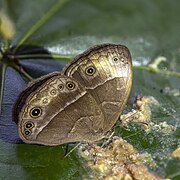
(81, 103)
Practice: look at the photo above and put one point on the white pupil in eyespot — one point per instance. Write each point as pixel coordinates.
(36, 112)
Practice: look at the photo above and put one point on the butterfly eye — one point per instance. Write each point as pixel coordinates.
(70, 85)
(90, 70)
(115, 59)
(35, 112)
(29, 125)
(61, 87)
(27, 132)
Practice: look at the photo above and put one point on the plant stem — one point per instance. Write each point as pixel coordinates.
(42, 21)
(159, 71)
(21, 70)
(45, 56)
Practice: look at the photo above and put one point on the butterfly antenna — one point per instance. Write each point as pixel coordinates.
(68, 153)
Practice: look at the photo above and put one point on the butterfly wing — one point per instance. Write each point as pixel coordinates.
(106, 73)
(58, 112)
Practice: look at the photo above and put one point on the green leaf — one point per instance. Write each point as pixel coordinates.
(149, 28)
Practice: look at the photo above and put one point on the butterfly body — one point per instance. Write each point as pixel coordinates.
(81, 103)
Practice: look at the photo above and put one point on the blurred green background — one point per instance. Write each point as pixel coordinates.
(149, 28)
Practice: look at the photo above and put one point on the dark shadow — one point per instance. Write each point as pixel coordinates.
(15, 83)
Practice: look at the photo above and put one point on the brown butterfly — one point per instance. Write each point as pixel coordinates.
(80, 104)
